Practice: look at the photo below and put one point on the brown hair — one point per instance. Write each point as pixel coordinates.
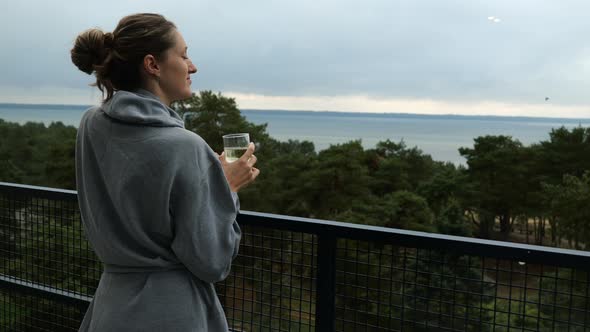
(115, 58)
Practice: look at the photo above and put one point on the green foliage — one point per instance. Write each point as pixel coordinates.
(59, 242)
(563, 295)
(497, 179)
(395, 167)
(213, 115)
(566, 152)
(37, 155)
(285, 176)
(569, 203)
(47, 247)
(445, 184)
(451, 220)
(406, 210)
(337, 179)
(502, 185)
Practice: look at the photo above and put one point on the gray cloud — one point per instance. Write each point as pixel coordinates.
(444, 50)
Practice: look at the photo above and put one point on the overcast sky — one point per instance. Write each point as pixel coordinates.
(410, 56)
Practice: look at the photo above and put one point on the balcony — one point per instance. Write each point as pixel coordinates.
(296, 274)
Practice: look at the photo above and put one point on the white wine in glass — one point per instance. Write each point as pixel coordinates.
(233, 154)
(235, 145)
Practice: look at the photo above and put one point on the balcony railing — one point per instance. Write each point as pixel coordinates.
(296, 274)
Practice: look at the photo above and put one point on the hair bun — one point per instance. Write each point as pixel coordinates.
(90, 49)
(109, 40)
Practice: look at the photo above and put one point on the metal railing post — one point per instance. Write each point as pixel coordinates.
(325, 313)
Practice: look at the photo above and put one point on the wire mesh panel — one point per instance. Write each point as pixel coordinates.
(384, 279)
(26, 312)
(272, 284)
(42, 242)
(389, 288)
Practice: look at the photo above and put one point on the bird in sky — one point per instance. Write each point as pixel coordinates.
(546, 98)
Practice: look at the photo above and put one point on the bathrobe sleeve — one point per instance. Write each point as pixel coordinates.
(203, 210)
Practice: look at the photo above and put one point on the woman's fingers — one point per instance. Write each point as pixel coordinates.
(248, 152)
(252, 160)
(241, 172)
(255, 172)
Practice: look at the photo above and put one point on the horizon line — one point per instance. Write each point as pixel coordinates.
(338, 112)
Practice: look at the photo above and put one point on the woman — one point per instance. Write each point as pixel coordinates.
(158, 205)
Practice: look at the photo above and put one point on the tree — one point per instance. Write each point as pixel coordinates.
(496, 178)
(451, 220)
(283, 185)
(407, 210)
(566, 152)
(395, 167)
(337, 180)
(444, 185)
(38, 155)
(213, 115)
(60, 164)
(569, 203)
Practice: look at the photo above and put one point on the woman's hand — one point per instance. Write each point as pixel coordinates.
(242, 171)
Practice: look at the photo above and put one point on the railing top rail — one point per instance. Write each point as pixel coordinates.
(44, 291)
(37, 191)
(413, 239)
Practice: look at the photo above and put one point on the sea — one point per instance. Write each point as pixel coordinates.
(437, 135)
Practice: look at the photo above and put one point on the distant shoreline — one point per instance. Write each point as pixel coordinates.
(336, 113)
(439, 136)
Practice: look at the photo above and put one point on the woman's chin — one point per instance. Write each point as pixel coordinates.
(186, 95)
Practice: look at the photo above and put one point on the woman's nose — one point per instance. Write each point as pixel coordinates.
(192, 69)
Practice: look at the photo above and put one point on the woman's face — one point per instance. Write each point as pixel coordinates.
(175, 71)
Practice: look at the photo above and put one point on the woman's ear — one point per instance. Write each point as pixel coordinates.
(150, 65)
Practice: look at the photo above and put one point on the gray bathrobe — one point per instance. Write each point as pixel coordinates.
(158, 212)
